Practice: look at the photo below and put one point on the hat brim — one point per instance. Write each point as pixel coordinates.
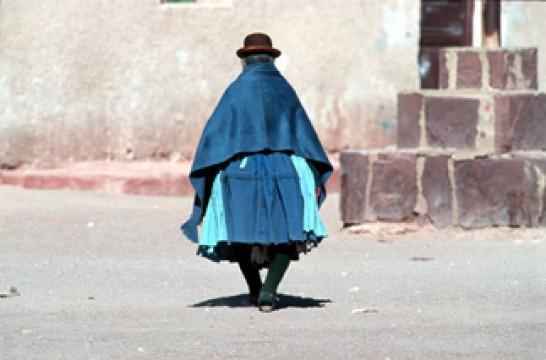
(254, 49)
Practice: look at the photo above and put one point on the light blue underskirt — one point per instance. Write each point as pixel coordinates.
(311, 218)
(214, 221)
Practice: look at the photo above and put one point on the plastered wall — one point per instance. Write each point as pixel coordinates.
(137, 79)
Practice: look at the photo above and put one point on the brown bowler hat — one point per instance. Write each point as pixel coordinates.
(257, 43)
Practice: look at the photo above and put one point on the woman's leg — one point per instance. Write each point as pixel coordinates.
(275, 273)
(252, 277)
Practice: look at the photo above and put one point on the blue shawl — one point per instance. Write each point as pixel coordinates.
(258, 111)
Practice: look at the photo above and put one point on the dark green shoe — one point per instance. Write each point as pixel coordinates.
(266, 301)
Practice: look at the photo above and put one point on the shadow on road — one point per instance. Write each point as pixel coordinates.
(241, 300)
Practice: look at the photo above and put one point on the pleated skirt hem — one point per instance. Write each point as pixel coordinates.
(259, 255)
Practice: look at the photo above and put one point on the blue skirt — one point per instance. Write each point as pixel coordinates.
(258, 207)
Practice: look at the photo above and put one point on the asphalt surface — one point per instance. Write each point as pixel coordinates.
(100, 276)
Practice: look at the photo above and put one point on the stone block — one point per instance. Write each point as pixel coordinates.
(469, 70)
(540, 166)
(443, 69)
(394, 186)
(123, 178)
(409, 112)
(11, 177)
(451, 122)
(428, 60)
(520, 122)
(477, 68)
(485, 122)
(496, 192)
(513, 69)
(61, 181)
(354, 180)
(156, 185)
(436, 188)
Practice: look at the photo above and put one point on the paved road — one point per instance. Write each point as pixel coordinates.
(110, 277)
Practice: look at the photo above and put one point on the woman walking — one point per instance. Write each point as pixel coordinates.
(259, 175)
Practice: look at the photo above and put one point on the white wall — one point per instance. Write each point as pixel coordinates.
(135, 79)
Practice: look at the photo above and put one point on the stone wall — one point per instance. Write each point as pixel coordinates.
(445, 188)
(471, 154)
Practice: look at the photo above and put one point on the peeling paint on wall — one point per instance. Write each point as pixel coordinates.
(381, 43)
(388, 124)
(511, 18)
(182, 57)
(362, 26)
(395, 24)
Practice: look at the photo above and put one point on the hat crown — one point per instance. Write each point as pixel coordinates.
(257, 43)
(258, 39)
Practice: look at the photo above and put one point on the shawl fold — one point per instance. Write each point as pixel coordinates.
(259, 111)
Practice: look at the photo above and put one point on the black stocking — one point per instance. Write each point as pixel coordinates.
(252, 277)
